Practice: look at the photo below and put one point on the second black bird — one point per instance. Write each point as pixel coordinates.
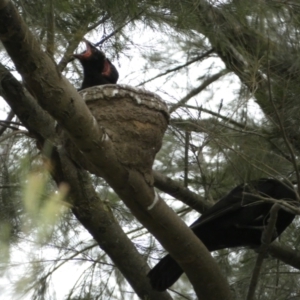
(237, 220)
(97, 69)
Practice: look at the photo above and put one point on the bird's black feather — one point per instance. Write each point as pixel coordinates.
(236, 220)
(97, 69)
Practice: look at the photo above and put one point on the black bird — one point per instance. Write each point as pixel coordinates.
(97, 69)
(236, 220)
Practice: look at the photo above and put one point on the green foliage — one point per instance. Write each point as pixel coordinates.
(242, 126)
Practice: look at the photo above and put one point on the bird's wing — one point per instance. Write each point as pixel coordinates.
(240, 197)
(226, 205)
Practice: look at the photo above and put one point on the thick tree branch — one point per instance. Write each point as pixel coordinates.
(286, 254)
(88, 208)
(179, 192)
(62, 101)
(33, 117)
(97, 218)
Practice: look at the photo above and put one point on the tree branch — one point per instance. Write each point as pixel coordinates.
(97, 218)
(88, 208)
(33, 117)
(266, 240)
(286, 254)
(198, 58)
(62, 101)
(9, 116)
(179, 192)
(197, 90)
(218, 115)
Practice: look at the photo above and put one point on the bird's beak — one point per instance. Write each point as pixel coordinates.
(87, 53)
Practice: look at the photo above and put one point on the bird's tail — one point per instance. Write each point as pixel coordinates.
(165, 273)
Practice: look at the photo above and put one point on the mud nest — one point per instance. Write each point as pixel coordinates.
(134, 120)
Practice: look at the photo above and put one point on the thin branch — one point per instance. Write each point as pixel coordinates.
(101, 21)
(218, 115)
(25, 106)
(67, 58)
(186, 158)
(11, 122)
(266, 240)
(8, 120)
(259, 166)
(14, 133)
(62, 262)
(286, 254)
(294, 209)
(76, 38)
(180, 294)
(8, 126)
(198, 58)
(179, 192)
(118, 29)
(197, 90)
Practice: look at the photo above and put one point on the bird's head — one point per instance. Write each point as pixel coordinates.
(90, 55)
(95, 64)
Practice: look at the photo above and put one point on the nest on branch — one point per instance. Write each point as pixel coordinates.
(132, 120)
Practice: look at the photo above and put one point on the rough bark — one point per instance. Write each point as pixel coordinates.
(37, 121)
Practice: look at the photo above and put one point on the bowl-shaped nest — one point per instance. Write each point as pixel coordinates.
(134, 120)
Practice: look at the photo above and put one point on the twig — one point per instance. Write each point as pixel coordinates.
(265, 241)
(117, 30)
(102, 20)
(76, 38)
(218, 115)
(8, 120)
(284, 205)
(11, 122)
(12, 134)
(179, 294)
(198, 58)
(186, 158)
(197, 90)
(50, 27)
